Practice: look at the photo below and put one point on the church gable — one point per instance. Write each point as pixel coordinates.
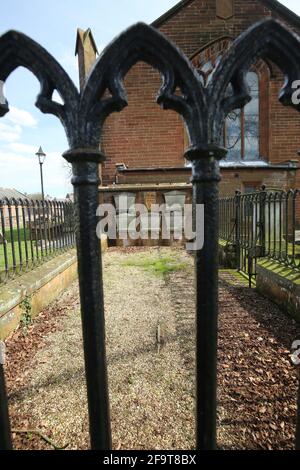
(193, 23)
(196, 23)
(225, 10)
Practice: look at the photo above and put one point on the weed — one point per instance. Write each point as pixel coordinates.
(26, 317)
(158, 266)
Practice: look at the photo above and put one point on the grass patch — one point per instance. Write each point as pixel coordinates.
(19, 248)
(23, 234)
(9, 252)
(239, 276)
(159, 266)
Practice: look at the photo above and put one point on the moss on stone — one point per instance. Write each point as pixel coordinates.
(290, 274)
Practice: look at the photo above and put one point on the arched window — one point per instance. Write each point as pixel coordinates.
(245, 130)
(241, 132)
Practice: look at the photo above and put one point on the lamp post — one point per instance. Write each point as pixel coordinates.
(41, 156)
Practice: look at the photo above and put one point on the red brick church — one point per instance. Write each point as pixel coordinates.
(144, 144)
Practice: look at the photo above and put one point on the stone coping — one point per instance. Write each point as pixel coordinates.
(15, 290)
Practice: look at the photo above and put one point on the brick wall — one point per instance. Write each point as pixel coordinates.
(284, 123)
(232, 179)
(241, 179)
(143, 135)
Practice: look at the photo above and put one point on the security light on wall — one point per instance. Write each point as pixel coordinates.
(121, 166)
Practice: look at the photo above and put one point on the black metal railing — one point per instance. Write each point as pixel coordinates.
(31, 232)
(265, 224)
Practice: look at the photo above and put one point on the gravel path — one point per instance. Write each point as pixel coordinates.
(151, 385)
(150, 396)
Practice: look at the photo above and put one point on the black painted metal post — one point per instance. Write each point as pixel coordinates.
(5, 436)
(237, 200)
(262, 220)
(85, 179)
(298, 416)
(205, 179)
(42, 181)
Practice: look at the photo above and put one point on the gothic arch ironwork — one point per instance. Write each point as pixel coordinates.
(16, 50)
(269, 40)
(204, 110)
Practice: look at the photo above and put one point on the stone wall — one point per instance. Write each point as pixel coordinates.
(38, 288)
(281, 285)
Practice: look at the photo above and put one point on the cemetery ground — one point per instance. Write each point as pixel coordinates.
(149, 309)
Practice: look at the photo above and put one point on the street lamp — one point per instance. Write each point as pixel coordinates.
(41, 156)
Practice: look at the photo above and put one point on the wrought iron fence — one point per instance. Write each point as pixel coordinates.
(204, 109)
(32, 231)
(264, 224)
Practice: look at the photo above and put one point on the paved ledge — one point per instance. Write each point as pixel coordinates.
(40, 286)
(280, 284)
(281, 270)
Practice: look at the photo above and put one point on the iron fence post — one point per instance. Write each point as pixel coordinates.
(205, 179)
(237, 200)
(5, 436)
(86, 180)
(262, 218)
(298, 416)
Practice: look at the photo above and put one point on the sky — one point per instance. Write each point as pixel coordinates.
(53, 23)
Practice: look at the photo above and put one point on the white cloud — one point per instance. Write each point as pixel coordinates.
(10, 133)
(69, 62)
(21, 117)
(2, 97)
(11, 125)
(18, 164)
(21, 171)
(101, 47)
(18, 147)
